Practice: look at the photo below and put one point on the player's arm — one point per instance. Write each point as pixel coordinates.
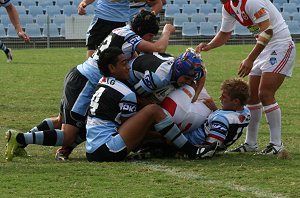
(160, 45)
(156, 6)
(14, 18)
(218, 132)
(262, 40)
(81, 7)
(220, 39)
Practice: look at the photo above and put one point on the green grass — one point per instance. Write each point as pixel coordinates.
(30, 90)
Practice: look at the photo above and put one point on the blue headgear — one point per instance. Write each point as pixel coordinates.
(190, 65)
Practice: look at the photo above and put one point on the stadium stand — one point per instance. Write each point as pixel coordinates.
(45, 3)
(197, 18)
(11, 32)
(35, 10)
(53, 10)
(5, 20)
(2, 31)
(294, 27)
(62, 3)
(189, 9)
(59, 20)
(214, 17)
(53, 30)
(26, 18)
(289, 7)
(197, 3)
(295, 16)
(207, 29)
(206, 8)
(190, 29)
(241, 30)
(27, 3)
(42, 19)
(171, 10)
(34, 30)
(69, 10)
(21, 9)
(180, 3)
(179, 19)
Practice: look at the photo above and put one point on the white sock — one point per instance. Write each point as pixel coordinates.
(273, 115)
(252, 129)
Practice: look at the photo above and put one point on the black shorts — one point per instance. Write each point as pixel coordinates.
(102, 154)
(73, 85)
(99, 30)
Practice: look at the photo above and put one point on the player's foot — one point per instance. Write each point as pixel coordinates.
(244, 148)
(207, 151)
(271, 149)
(9, 55)
(11, 145)
(62, 154)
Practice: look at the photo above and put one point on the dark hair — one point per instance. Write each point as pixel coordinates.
(145, 22)
(106, 57)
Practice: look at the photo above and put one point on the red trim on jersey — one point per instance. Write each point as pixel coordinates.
(216, 137)
(246, 19)
(257, 107)
(186, 127)
(169, 105)
(272, 109)
(285, 59)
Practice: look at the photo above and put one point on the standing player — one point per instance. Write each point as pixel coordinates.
(270, 61)
(113, 126)
(109, 15)
(14, 18)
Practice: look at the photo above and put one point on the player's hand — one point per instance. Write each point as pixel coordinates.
(81, 8)
(202, 47)
(210, 103)
(22, 35)
(169, 28)
(245, 67)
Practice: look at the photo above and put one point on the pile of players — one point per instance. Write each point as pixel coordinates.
(130, 91)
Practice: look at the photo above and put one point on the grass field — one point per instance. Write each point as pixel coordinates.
(30, 90)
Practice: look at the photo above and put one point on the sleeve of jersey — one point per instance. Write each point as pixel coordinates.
(257, 11)
(134, 41)
(218, 130)
(148, 84)
(5, 3)
(228, 21)
(128, 105)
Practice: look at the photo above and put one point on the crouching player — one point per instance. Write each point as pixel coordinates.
(113, 126)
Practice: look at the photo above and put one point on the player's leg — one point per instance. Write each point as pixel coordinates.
(7, 51)
(48, 124)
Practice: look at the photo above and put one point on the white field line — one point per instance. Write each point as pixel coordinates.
(180, 173)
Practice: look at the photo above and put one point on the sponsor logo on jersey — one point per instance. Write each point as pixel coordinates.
(218, 126)
(260, 13)
(242, 118)
(273, 60)
(274, 53)
(244, 15)
(130, 108)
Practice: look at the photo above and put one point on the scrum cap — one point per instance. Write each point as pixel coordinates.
(189, 64)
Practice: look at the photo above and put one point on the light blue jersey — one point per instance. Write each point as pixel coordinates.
(112, 10)
(136, 7)
(111, 101)
(224, 126)
(90, 70)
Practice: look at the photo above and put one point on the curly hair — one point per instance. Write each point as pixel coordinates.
(236, 88)
(145, 22)
(106, 57)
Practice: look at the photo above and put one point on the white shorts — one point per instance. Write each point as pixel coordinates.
(277, 58)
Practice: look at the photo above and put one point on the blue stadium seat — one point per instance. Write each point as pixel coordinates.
(213, 2)
(33, 30)
(180, 3)
(179, 19)
(241, 30)
(189, 9)
(197, 18)
(206, 8)
(69, 10)
(62, 31)
(295, 16)
(59, 20)
(190, 29)
(26, 18)
(42, 19)
(219, 8)
(297, 2)
(197, 3)
(76, 2)
(2, 31)
(278, 6)
(286, 16)
(45, 3)
(280, 2)
(21, 9)
(62, 3)
(53, 30)
(11, 31)
(294, 27)
(289, 7)
(27, 3)
(53, 10)
(214, 17)
(207, 29)
(171, 10)
(90, 10)
(35, 10)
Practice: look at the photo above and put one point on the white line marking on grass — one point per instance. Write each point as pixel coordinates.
(194, 176)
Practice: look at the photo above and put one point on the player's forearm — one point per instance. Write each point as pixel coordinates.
(162, 43)
(220, 39)
(87, 2)
(156, 6)
(14, 17)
